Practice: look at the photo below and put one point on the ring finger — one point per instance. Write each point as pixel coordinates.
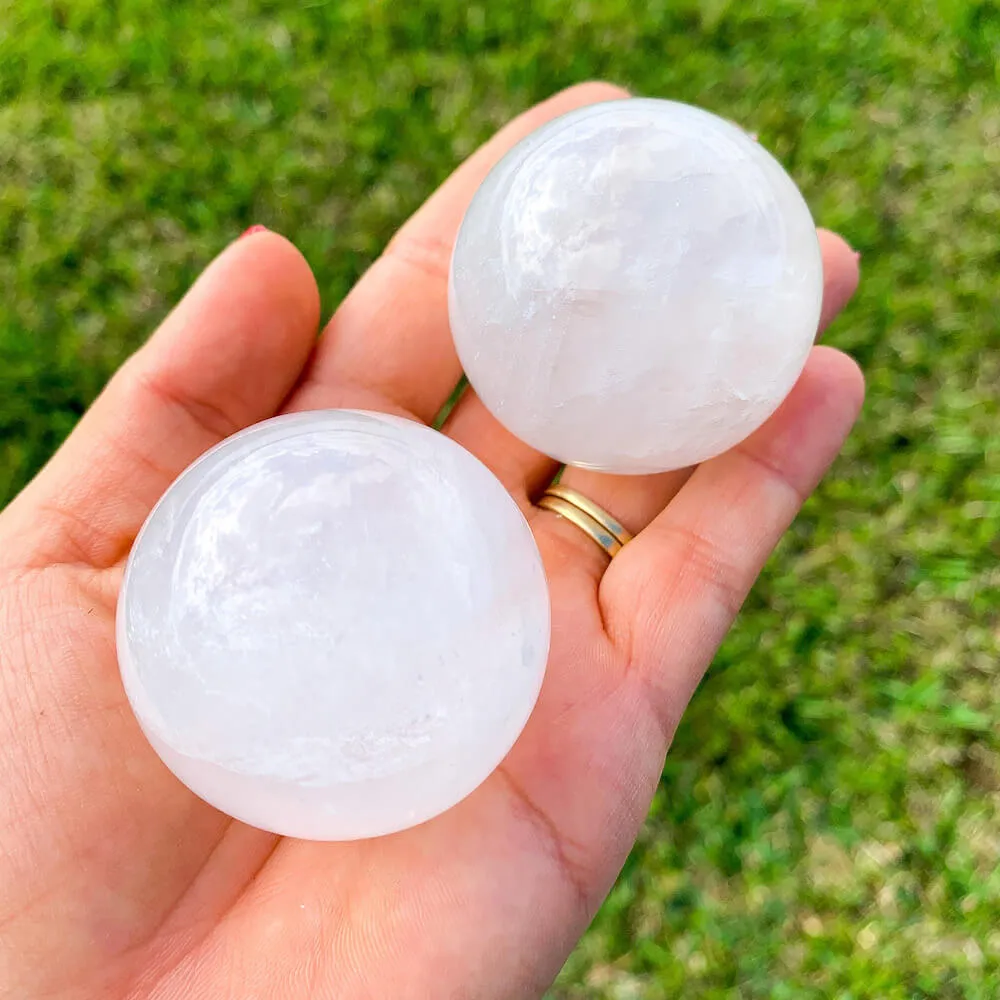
(636, 500)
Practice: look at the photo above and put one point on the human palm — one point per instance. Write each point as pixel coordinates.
(116, 881)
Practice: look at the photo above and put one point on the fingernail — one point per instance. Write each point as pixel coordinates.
(857, 255)
(252, 230)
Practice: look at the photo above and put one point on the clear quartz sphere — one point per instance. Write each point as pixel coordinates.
(635, 287)
(334, 625)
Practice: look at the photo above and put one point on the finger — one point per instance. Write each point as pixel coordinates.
(636, 500)
(523, 470)
(633, 500)
(225, 358)
(671, 595)
(389, 344)
(841, 273)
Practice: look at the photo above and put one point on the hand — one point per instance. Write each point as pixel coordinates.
(117, 881)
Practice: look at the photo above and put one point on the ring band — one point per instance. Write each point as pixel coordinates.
(607, 531)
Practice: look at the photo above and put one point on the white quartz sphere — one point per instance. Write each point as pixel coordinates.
(635, 287)
(334, 625)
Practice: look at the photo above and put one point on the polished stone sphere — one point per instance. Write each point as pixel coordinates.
(635, 287)
(334, 625)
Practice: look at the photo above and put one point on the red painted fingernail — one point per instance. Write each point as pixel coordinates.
(252, 230)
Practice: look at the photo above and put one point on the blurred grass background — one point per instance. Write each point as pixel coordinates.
(828, 823)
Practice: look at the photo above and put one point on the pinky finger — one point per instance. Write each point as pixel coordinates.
(671, 595)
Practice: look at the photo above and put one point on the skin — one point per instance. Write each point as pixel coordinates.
(117, 882)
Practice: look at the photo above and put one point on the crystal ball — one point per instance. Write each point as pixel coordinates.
(635, 287)
(334, 625)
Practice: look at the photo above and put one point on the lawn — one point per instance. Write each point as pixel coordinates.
(828, 823)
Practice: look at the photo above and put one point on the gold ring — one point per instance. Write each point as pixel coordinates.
(594, 521)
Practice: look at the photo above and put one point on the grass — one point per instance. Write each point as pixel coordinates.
(828, 824)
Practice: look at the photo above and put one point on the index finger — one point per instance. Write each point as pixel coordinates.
(389, 346)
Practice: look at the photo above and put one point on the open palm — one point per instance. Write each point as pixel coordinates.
(117, 881)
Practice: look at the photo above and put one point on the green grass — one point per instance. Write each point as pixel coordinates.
(828, 824)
